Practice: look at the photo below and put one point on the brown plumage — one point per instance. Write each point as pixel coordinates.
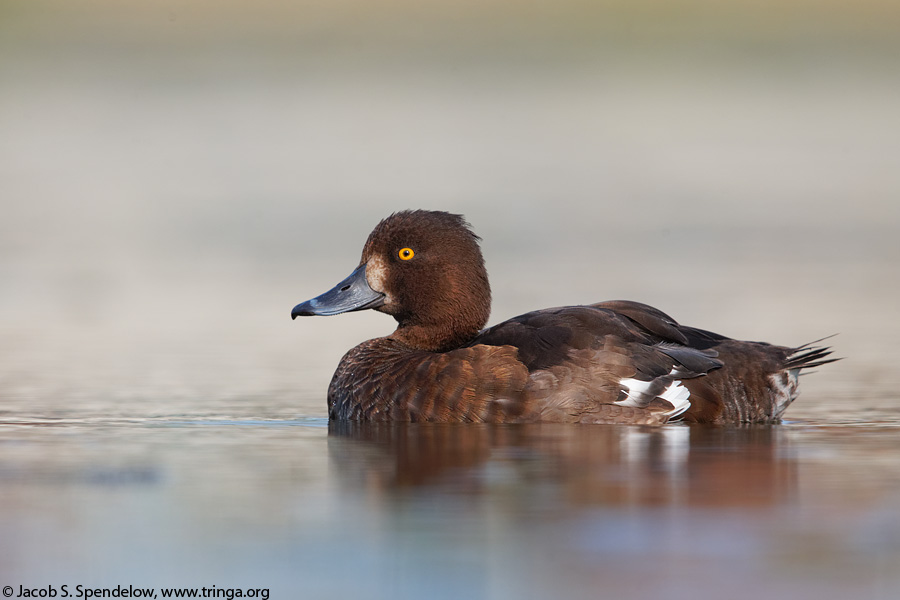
(611, 362)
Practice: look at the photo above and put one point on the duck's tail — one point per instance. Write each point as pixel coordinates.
(808, 356)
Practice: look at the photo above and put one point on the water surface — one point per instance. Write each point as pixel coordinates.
(375, 511)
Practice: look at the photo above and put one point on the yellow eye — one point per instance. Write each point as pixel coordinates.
(406, 254)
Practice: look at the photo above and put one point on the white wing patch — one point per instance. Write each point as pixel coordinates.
(679, 396)
(640, 393)
(637, 392)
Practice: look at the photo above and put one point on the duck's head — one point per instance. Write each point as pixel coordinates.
(426, 270)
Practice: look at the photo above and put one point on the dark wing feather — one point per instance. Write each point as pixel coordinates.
(546, 338)
(581, 359)
(695, 362)
(653, 320)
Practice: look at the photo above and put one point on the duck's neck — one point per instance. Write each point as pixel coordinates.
(451, 321)
(434, 337)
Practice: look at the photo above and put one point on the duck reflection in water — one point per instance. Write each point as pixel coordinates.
(600, 465)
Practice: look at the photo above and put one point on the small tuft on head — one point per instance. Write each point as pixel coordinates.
(418, 220)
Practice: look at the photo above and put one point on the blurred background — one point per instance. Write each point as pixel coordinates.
(176, 175)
